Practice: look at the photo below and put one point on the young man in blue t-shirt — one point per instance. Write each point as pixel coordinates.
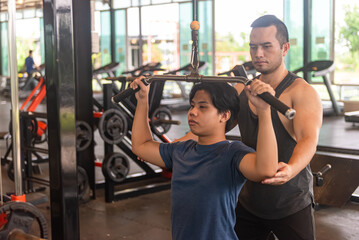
(207, 175)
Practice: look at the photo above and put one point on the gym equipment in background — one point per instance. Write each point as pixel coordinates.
(109, 70)
(322, 68)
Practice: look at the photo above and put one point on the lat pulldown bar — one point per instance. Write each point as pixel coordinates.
(288, 112)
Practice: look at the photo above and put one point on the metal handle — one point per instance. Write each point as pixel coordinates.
(325, 169)
(278, 105)
(127, 92)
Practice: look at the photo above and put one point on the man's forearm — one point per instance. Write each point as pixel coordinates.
(141, 132)
(267, 153)
(302, 154)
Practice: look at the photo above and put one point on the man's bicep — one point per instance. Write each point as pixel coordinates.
(308, 119)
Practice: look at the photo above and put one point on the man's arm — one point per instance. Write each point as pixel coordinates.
(263, 163)
(306, 127)
(143, 144)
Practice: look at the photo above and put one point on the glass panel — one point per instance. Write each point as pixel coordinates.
(19, 14)
(3, 16)
(321, 29)
(99, 6)
(323, 92)
(293, 18)
(120, 44)
(205, 35)
(42, 41)
(160, 1)
(160, 36)
(145, 2)
(232, 32)
(133, 21)
(185, 40)
(321, 32)
(4, 50)
(39, 12)
(105, 38)
(133, 33)
(29, 13)
(346, 45)
(349, 93)
(95, 40)
(135, 3)
(121, 3)
(28, 38)
(185, 37)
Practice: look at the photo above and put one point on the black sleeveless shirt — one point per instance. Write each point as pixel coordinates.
(269, 201)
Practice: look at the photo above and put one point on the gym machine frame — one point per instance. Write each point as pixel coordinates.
(195, 77)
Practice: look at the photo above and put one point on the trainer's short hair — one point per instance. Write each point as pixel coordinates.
(269, 20)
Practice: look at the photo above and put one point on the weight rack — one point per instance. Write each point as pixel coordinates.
(150, 180)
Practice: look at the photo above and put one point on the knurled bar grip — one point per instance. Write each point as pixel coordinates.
(267, 97)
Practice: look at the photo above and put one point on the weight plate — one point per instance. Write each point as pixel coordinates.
(158, 120)
(22, 216)
(82, 182)
(83, 135)
(112, 126)
(115, 166)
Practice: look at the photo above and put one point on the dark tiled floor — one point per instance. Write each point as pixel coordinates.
(148, 216)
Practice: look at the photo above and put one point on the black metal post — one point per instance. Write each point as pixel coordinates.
(26, 156)
(61, 102)
(112, 32)
(1, 73)
(307, 30)
(83, 73)
(140, 40)
(108, 148)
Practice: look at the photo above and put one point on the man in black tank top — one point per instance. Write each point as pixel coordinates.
(282, 204)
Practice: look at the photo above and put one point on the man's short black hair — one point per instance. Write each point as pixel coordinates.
(224, 97)
(30, 51)
(269, 20)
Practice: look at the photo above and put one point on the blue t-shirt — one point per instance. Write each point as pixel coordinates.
(205, 185)
(29, 63)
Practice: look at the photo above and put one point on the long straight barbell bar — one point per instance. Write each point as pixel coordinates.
(288, 112)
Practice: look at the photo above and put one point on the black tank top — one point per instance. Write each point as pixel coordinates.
(267, 201)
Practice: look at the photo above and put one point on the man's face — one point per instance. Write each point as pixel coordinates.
(203, 116)
(266, 52)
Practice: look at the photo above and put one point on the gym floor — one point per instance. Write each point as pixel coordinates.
(148, 216)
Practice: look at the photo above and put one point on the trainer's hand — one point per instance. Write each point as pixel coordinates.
(283, 175)
(255, 88)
